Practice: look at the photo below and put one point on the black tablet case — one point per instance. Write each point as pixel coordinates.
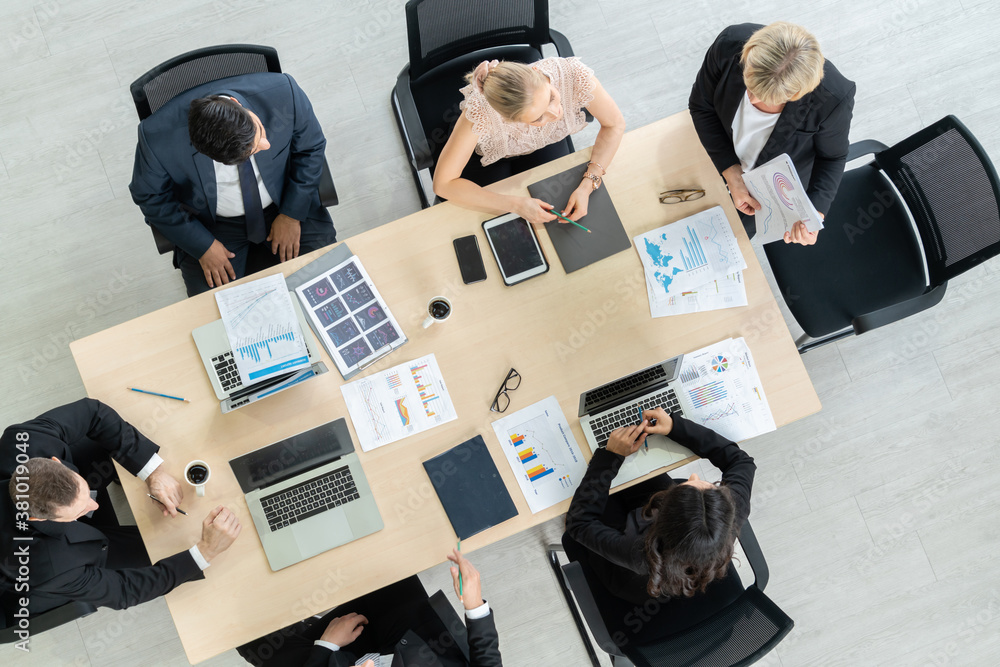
(575, 247)
(470, 488)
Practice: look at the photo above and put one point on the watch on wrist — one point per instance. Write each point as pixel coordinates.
(595, 179)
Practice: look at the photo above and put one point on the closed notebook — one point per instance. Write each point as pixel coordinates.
(470, 488)
(575, 247)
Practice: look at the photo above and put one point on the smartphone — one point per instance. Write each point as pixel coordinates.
(470, 260)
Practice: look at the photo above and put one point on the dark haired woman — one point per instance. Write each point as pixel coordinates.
(663, 539)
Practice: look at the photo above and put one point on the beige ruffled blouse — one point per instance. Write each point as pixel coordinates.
(500, 138)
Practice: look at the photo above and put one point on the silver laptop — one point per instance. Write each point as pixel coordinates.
(621, 402)
(307, 494)
(217, 355)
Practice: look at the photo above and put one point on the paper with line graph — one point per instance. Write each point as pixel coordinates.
(263, 330)
(783, 200)
(692, 265)
(542, 452)
(402, 401)
(721, 389)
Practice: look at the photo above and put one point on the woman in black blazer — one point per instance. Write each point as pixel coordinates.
(663, 539)
(752, 71)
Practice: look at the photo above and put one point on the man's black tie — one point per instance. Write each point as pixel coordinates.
(252, 208)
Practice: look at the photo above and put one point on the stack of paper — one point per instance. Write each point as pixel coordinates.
(722, 391)
(692, 265)
(783, 200)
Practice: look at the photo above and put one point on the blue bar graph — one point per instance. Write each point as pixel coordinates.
(693, 255)
(253, 350)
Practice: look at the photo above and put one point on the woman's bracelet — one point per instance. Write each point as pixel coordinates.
(603, 170)
(596, 180)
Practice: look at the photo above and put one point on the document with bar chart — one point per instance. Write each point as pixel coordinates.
(542, 452)
(721, 389)
(404, 400)
(692, 265)
(263, 330)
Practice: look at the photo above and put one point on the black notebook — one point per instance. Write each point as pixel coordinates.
(470, 488)
(575, 247)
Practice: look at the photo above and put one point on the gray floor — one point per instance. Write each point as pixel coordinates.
(877, 515)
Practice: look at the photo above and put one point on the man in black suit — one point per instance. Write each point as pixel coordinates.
(752, 72)
(57, 543)
(196, 154)
(396, 622)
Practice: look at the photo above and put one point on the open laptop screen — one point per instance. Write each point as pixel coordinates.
(291, 456)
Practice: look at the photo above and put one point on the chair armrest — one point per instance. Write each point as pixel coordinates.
(451, 620)
(163, 244)
(327, 191)
(561, 43)
(751, 547)
(898, 311)
(577, 583)
(409, 122)
(864, 147)
(50, 619)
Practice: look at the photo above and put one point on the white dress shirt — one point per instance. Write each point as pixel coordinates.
(751, 130)
(229, 197)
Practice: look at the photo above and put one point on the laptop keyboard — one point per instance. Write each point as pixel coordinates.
(225, 369)
(628, 415)
(309, 498)
(625, 385)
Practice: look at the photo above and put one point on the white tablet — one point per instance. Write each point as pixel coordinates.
(515, 248)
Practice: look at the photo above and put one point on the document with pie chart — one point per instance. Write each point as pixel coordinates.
(350, 316)
(783, 200)
(721, 389)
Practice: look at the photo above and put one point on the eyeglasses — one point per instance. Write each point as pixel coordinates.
(677, 196)
(502, 401)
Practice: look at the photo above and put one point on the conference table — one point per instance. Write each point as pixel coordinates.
(564, 333)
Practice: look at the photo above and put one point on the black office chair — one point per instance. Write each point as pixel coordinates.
(740, 633)
(167, 80)
(43, 622)
(447, 39)
(921, 213)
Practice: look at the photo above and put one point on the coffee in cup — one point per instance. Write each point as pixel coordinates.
(438, 310)
(197, 474)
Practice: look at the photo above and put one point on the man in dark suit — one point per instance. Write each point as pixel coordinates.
(199, 159)
(752, 71)
(396, 622)
(57, 543)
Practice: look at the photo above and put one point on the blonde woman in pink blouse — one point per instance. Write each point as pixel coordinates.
(511, 109)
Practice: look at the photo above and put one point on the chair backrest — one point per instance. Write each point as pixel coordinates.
(738, 635)
(441, 30)
(952, 191)
(167, 80)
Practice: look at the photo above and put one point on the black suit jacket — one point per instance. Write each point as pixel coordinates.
(812, 130)
(175, 185)
(66, 561)
(625, 549)
(415, 651)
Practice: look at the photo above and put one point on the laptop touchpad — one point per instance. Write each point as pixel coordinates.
(321, 533)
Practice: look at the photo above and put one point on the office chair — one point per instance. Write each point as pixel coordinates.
(43, 622)
(167, 80)
(739, 633)
(919, 214)
(447, 39)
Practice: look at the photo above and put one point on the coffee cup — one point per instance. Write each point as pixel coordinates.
(438, 310)
(197, 474)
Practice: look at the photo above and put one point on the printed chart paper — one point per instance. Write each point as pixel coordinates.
(722, 390)
(406, 399)
(357, 327)
(542, 452)
(263, 329)
(692, 265)
(783, 200)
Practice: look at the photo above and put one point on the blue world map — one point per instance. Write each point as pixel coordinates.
(661, 259)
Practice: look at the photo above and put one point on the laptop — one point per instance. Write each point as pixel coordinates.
(621, 402)
(307, 494)
(217, 356)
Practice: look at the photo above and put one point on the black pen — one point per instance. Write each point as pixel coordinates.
(161, 502)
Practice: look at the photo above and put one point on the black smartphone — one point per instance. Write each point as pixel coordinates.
(470, 260)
